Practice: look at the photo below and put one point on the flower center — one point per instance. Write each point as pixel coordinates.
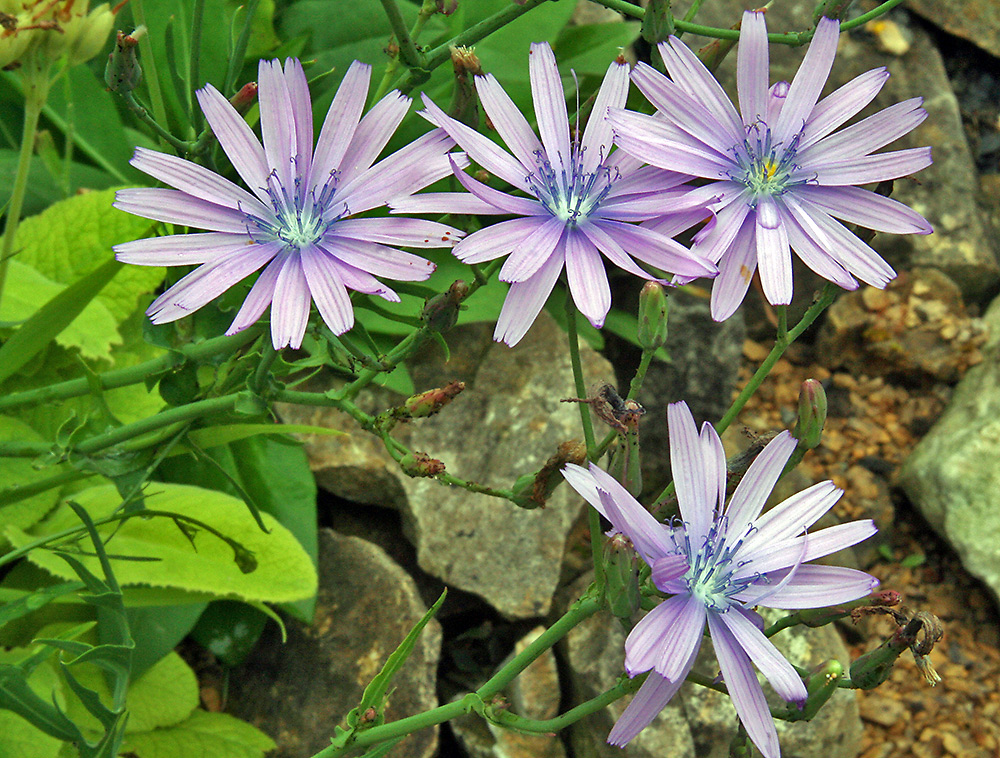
(765, 168)
(301, 217)
(571, 196)
(710, 576)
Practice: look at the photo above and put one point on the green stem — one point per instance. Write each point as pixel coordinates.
(472, 35)
(36, 92)
(580, 611)
(408, 53)
(550, 726)
(134, 374)
(240, 51)
(578, 380)
(781, 343)
(151, 78)
(194, 68)
(640, 374)
(791, 38)
(15, 493)
(262, 374)
(427, 10)
(142, 114)
(126, 432)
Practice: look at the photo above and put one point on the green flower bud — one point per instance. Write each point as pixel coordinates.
(652, 316)
(812, 414)
(441, 311)
(89, 34)
(871, 669)
(821, 685)
(621, 572)
(245, 98)
(123, 72)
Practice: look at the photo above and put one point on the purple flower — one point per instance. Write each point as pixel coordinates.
(718, 562)
(783, 176)
(580, 199)
(297, 223)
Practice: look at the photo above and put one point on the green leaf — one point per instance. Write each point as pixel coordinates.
(75, 236)
(375, 693)
(21, 471)
(158, 629)
(163, 696)
(42, 191)
(35, 334)
(213, 436)
(274, 472)
(284, 571)
(93, 330)
(204, 734)
(229, 630)
(21, 739)
(262, 36)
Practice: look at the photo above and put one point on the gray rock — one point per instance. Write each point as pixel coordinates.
(704, 364)
(507, 422)
(298, 691)
(534, 694)
(699, 721)
(944, 193)
(975, 20)
(953, 474)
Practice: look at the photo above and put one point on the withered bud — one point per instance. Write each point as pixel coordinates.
(430, 402)
(420, 464)
(533, 490)
(465, 101)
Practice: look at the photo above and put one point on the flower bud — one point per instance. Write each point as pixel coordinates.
(446, 7)
(621, 572)
(652, 316)
(90, 34)
(464, 101)
(822, 683)
(245, 98)
(873, 668)
(420, 464)
(430, 402)
(441, 311)
(812, 414)
(658, 22)
(123, 72)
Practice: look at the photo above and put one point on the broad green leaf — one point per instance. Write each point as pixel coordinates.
(274, 473)
(284, 571)
(157, 630)
(35, 334)
(74, 236)
(21, 471)
(262, 36)
(93, 331)
(163, 696)
(42, 191)
(205, 735)
(21, 739)
(229, 630)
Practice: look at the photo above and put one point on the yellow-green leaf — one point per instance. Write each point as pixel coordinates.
(283, 570)
(21, 471)
(204, 734)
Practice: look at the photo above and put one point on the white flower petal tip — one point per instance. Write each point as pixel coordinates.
(773, 157)
(716, 562)
(298, 205)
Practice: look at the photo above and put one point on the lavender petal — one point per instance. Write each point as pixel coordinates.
(525, 300)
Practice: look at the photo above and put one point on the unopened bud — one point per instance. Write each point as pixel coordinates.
(812, 414)
(441, 311)
(822, 683)
(430, 402)
(740, 746)
(420, 464)
(621, 572)
(652, 316)
(88, 34)
(464, 101)
(446, 7)
(245, 98)
(123, 72)
(658, 22)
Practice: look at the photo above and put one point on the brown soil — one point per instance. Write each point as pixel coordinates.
(872, 427)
